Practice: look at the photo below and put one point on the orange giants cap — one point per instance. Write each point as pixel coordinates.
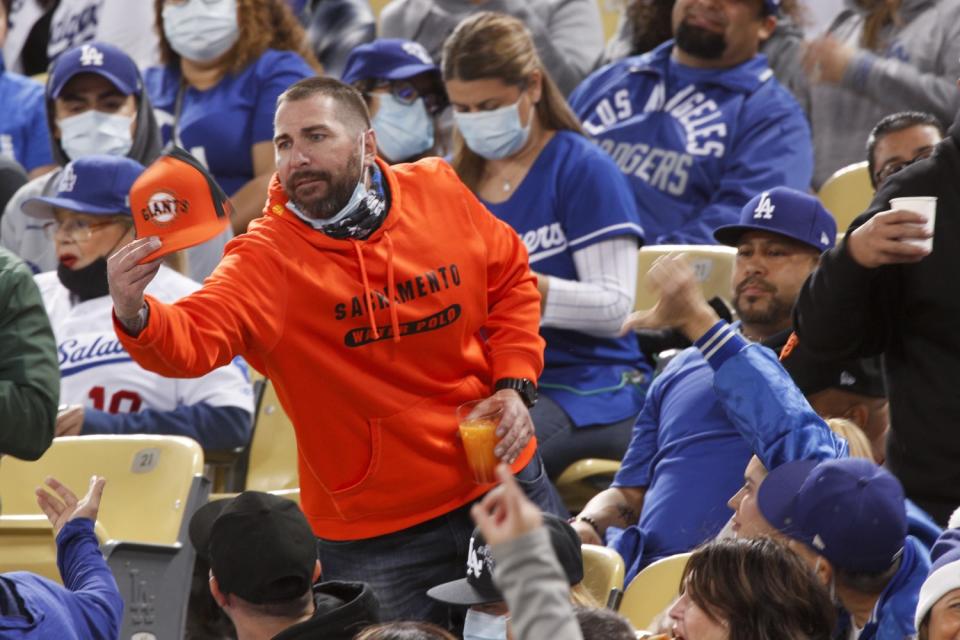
(177, 200)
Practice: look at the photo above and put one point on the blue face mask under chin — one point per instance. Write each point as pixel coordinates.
(404, 131)
(359, 193)
(484, 626)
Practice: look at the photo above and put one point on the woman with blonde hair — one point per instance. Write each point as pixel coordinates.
(225, 62)
(521, 151)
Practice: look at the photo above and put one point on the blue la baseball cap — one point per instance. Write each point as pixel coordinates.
(387, 59)
(97, 185)
(786, 212)
(771, 7)
(95, 57)
(851, 511)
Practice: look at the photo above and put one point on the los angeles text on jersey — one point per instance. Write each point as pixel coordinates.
(698, 118)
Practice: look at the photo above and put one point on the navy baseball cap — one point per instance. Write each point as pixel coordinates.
(96, 185)
(387, 59)
(851, 511)
(478, 586)
(95, 57)
(786, 212)
(771, 7)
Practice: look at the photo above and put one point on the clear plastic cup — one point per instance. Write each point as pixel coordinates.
(478, 420)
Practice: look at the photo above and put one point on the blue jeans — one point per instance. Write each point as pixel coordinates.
(400, 567)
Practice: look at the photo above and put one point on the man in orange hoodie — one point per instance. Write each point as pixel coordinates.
(376, 299)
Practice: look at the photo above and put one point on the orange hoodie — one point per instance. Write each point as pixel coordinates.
(371, 344)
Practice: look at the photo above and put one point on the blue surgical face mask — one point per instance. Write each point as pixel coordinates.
(359, 193)
(483, 626)
(494, 134)
(94, 132)
(201, 30)
(404, 131)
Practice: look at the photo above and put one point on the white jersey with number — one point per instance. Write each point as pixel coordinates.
(97, 372)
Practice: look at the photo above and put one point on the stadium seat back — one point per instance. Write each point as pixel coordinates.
(154, 485)
(603, 571)
(847, 193)
(652, 590)
(273, 450)
(149, 480)
(584, 479)
(712, 264)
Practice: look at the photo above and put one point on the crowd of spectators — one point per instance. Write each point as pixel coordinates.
(442, 201)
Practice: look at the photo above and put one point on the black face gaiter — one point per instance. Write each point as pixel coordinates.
(88, 282)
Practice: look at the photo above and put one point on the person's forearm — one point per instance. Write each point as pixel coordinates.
(900, 86)
(614, 507)
(215, 428)
(248, 202)
(535, 588)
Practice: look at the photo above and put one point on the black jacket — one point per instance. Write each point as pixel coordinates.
(911, 314)
(343, 610)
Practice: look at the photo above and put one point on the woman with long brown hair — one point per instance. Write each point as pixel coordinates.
(879, 57)
(225, 63)
(522, 152)
(736, 589)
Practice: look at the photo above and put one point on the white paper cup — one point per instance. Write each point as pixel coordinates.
(925, 206)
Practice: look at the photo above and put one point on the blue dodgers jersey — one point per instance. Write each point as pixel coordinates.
(696, 144)
(24, 135)
(574, 196)
(689, 456)
(220, 125)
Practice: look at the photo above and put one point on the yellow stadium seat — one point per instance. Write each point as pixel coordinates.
(652, 590)
(154, 484)
(713, 265)
(273, 450)
(584, 479)
(847, 193)
(602, 572)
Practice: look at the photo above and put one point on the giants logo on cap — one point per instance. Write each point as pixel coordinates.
(163, 208)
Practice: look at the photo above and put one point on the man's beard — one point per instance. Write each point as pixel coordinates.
(700, 42)
(773, 314)
(340, 189)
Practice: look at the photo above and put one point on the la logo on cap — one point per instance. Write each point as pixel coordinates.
(163, 207)
(416, 50)
(68, 180)
(90, 56)
(765, 208)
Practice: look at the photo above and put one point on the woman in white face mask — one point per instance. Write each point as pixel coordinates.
(522, 152)
(405, 96)
(225, 63)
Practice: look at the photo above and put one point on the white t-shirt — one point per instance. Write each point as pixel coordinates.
(126, 24)
(97, 372)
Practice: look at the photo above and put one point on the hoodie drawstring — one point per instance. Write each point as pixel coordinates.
(391, 289)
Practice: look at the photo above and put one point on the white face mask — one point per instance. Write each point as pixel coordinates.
(201, 30)
(494, 134)
(94, 132)
(404, 131)
(483, 626)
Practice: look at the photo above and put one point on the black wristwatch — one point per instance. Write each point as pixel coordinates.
(526, 389)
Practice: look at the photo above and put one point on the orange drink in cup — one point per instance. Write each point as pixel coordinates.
(478, 422)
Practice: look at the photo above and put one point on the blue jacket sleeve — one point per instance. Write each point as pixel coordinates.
(773, 149)
(764, 404)
(215, 428)
(94, 600)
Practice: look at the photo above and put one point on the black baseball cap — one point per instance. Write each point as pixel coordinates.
(863, 376)
(478, 586)
(259, 546)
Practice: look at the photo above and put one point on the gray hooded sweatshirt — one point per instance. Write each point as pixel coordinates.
(916, 69)
(568, 34)
(24, 235)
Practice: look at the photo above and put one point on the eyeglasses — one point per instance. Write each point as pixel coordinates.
(76, 230)
(888, 170)
(407, 93)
